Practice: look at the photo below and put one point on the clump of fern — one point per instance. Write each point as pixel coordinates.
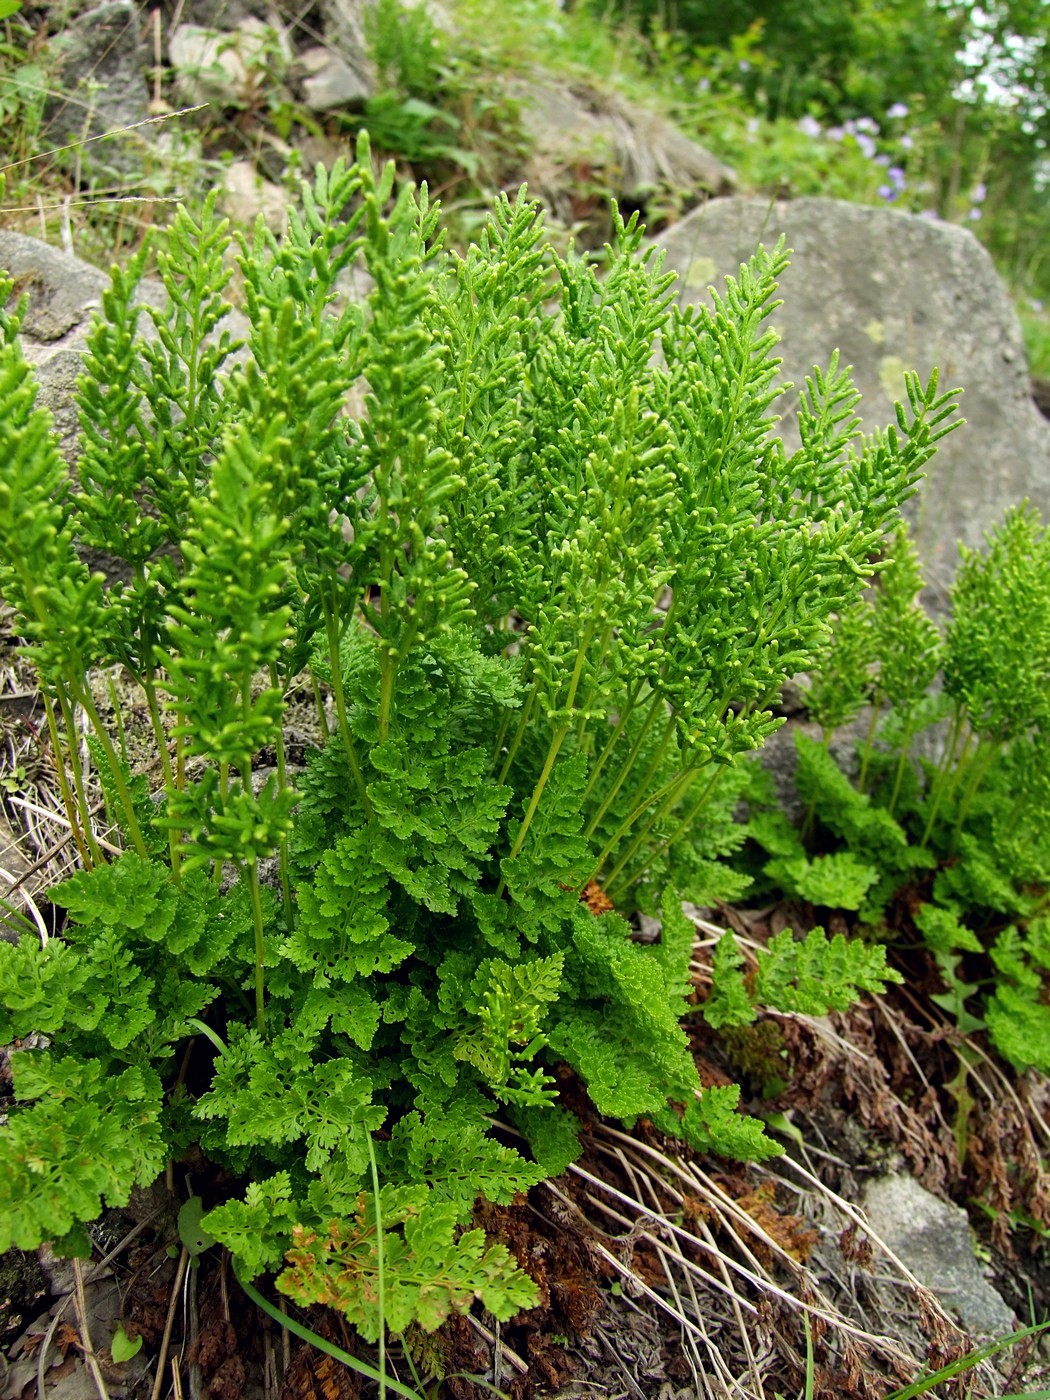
(964, 831)
(551, 583)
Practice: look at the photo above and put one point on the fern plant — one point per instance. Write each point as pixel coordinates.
(963, 835)
(550, 583)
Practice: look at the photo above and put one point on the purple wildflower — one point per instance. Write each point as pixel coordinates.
(898, 110)
(896, 174)
(866, 144)
(868, 125)
(906, 142)
(809, 126)
(979, 193)
(888, 193)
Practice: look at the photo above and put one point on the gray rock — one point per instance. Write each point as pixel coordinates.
(635, 150)
(344, 31)
(932, 1237)
(223, 14)
(226, 66)
(891, 292)
(330, 82)
(247, 195)
(63, 294)
(102, 67)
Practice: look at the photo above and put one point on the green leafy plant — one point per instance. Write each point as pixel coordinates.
(962, 836)
(443, 105)
(550, 583)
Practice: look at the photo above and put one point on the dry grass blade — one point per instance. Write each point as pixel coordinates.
(85, 1335)
(102, 136)
(169, 1323)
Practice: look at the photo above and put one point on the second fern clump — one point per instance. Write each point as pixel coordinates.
(946, 821)
(552, 584)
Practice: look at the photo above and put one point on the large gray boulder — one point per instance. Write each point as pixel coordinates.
(892, 292)
(346, 41)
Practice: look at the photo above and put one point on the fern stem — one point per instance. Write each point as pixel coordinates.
(161, 740)
(84, 698)
(898, 779)
(537, 793)
(340, 708)
(82, 835)
(224, 787)
(940, 781)
(983, 759)
(628, 822)
(632, 757)
(677, 791)
(380, 1267)
(613, 740)
(387, 673)
(962, 764)
(118, 717)
(322, 717)
(252, 873)
(869, 741)
(501, 737)
(282, 849)
(587, 708)
(555, 746)
(520, 732)
(78, 775)
(679, 831)
(321, 1343)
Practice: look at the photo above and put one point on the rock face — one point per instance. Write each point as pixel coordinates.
(581, 134)
(344, 30)
(330, 82)
(63, 293)
(893, 292)
(933, 1239)
(102, 66)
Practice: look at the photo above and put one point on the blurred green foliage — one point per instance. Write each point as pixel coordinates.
(953, 94)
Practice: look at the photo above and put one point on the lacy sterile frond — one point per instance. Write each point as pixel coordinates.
(429, 1271)
(813, 976)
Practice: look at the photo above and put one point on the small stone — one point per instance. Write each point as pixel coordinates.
(101, 85)
(333, 83)
(932, 1238)
(247, 195)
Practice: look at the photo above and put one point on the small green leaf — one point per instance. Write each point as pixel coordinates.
(191, 1232)
(9, 8)
(123, 1348)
